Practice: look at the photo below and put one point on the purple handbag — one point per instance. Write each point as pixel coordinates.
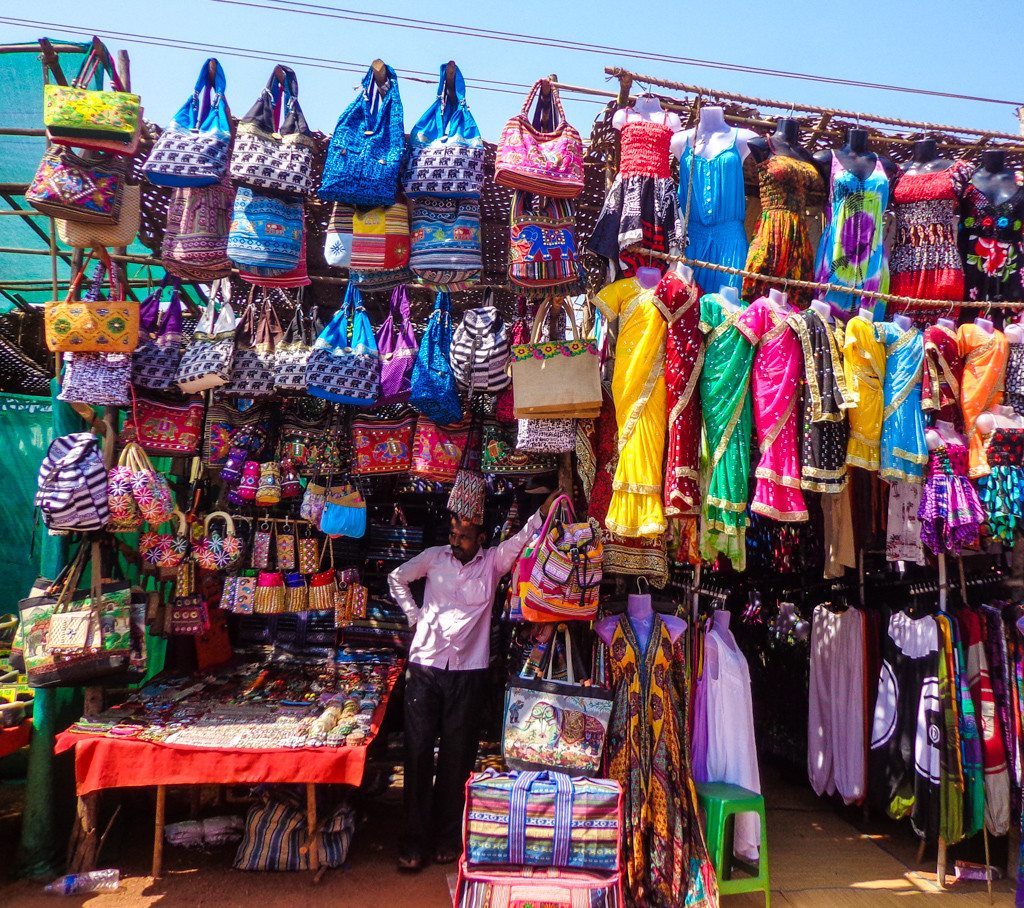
(397, 347)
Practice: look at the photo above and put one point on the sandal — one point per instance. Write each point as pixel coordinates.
(410, 861)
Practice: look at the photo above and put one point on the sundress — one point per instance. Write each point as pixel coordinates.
(638, 387)
(1015, 378)
(641, 208)
(665, 857)
(864, 368)
(851, 252)
(943, 374)
(781, 246)
(985, 354)
(951, 515)
(718, 207)
(904, 450)
(992, 245)
(728, 423)
(684, 357)
(778, 365)
(1002, 490)
(925, 261)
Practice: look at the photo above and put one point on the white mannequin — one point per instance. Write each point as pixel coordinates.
(731, 297)
(646, 107)
(947, 323)
(999, 417)
(648, 276)
(823, 309)
(1014, 332)
(640, 610)
(867, 314)
(778, 299)
(905, 323)
(985, 324)
(684, 271)
(943, 433)
(712, 136)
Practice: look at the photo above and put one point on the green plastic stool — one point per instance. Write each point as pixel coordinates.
(720, 801)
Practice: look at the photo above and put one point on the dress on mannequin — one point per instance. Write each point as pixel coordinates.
(1015, 366)
(985, 355)
(943, 374)
(864, 368)
(951, 514)
(1002, 491)
(904, 450)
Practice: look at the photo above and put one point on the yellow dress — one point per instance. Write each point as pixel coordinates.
(638, 387)
(864, 366)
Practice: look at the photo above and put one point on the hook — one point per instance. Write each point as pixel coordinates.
(644, 590)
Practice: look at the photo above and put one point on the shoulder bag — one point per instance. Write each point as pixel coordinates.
(435, 393)
(93, 325)
(169, 430)
(266, 231)
(380, 238)
(252, 366)
(396, 344)
(542, 242)
(122, 232)
(344, 365)
(292, 354)
(437, 451)
(195, 243)
(480, 350)
(156, 360)
(206, 361)
(445, 244)
(382, 446)
(67, 185)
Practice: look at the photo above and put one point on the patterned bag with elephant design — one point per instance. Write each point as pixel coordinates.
(542, 242)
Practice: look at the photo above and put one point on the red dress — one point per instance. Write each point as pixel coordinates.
(943, 373)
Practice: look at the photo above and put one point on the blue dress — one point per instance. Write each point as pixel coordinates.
(904, 451)
(717, 209)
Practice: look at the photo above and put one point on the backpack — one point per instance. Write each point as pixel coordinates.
(72, 492)
(480, 351)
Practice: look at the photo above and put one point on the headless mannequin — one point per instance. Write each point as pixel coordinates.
(712, 136)
(720, 623)
(985, 324)
(1014, 332)
(926, 158)
(943, 433)
(999, 417)
(905, 323)
(855, 157)
(785, 142)
(867, 314)
(947, 323)
(731, 296)
(646, 107)
(640, 612)
(779, 301)
(997, 182)
(823, 309)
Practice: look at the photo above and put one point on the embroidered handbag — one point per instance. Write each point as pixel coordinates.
(292, 353)
(338, 242)
(252, 367)
(266, 231)
(218, 550)
(165, 550)
(382, 446)
(446, 151)
(232, 435)
(122, 232)
(480, 350)
(150, 488)
(437, 451)
(380, 238)
(546, 436)
(99, 379)
(156, 360)
(93, 325)
(434, 392)
(549, 163)
(365, 155)
(124, 511)
(169, 430)
(193, 149)
(543, 819)
(344, 365)
(66, 185)
(272, 154)
(468, 496)
(344, 513)
(542, 242)
(304, 442)
(536, 887)
(396, 344)
(556, 378)
(499, 456)
(195, 243)
(206, 361)
(445, 241)
(281, 280)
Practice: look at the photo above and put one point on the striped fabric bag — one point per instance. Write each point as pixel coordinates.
(480, 351)
(446, 241)
(380, 238)
(543, 819)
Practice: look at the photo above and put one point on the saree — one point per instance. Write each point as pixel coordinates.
(943, 374)
(638, 388)
(684, 356)
(985, 355)
(864, 368)
(665, 857)
(776, 391)
(726, 408)
(951, 773)
(904, 451)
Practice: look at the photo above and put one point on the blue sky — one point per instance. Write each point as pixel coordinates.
(931, 45)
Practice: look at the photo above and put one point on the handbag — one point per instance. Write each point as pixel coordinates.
(560, 578)
(269, 491)
(165, 550)
(559, 725)
(252, 366)
(380, 238)
(536, 887)
(542, 242)
(305, 442)
(434, 392)
(437, 451)
(364, 158)
(98, 379)
(382, 446)
(296, 592)
(120, 233)
(546, 436)
(67, 185)
(195, 243)
(281, 280)
(150, 489)
(124, 510)
(543, 819)
(549, 163)
(480, 350)
(445, 241)
(266, 231)
(71, 485)
(344, 365)
(292, 353)
(218, 550)
(556, 379)
(467, 498)
(344, 513)
(504, 408)
(338, 239)
(93, 325)
(446, 151)
(206, 361)
(170, 430)
(193, 150)
(232, 436)
(499, 456)
(270, 593)
(156, 361)
(397, 347)
(273, 149)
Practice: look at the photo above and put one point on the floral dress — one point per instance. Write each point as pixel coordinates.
(904, 450)
(778, 364)
(1002, 490)
(992, 244)
(985, 354)
(951, 515)
(781, 246)
(864, 368)
(943, 375)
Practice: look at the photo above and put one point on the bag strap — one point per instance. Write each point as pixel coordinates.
(449, 103)
(518, 799)
(51, 61)
(98, 57)
(209, 91)
(542, 313)
(547, 101)
(373, 99)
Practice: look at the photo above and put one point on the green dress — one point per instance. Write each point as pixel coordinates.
(728, 426)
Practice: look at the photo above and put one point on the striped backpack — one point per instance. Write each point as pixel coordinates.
(72, 485)
(480, 351)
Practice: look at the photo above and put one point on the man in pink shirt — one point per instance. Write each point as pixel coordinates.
(447, 671)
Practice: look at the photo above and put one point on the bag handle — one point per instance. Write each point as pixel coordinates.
(542, 314)
(98, 57)
(518, 798)
(549, 96)
(374, 99)
(451, 96)
(209, 91)
(229, 523)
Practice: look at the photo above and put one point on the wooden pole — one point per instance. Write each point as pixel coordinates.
(314, 853)
(158, 832)
(83, 846)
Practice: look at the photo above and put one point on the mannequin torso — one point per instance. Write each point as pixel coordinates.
(855, 157)
(994, 180)
(926, 159)
(999, 417)
(785, 142)
(646, 107)
(640, 613)
(943, 433)
(712, 136)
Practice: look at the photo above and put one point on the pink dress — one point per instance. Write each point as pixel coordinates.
(776, 389)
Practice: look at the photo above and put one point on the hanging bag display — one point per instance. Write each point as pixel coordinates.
(446, 151)
(344, 513)
(71, 486)
(437, 450)
(266, 231)
(168, 430)
(195, 243)
(434, 391)
(542, 242)
(122, 232)
(344, 365)
(445, 241)
(252, 366)
(206, 361)
(193, 149)
(292, 354)
(396, 345)
(218, 549)
(165, 550)
(543, 155)
(480, 351)
(93, 324)
(364, 158)
(273, 150)
(156, 360)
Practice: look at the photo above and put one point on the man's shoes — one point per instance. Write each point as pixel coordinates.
(411, 860)
(447, 855)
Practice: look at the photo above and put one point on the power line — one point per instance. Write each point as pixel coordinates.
(447, 28)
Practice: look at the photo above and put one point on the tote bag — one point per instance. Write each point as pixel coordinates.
(445, 248)
(396, 343)
(266, 232)
(193, 150)
(195, 244)
(344, 365)
(446, 151)
(155, 362)
(364, 158)
(206, 361)
(435, 393)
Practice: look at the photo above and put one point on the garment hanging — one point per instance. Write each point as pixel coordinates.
(943, 375)
(864, 369)
(985, 354)
(904, 451)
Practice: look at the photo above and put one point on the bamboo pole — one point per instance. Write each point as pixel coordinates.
(156, 871)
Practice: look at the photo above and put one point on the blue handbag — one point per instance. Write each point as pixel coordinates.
(365, 156)
(266, 231)
(344, 365)
(446, 150)
(344, 513)
(435, 393)
(193, 150)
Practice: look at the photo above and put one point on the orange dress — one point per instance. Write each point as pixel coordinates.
(985, 355)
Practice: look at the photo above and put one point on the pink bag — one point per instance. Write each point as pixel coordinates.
(397, 347)
(514, 887)
(437, 451)
(546, 163)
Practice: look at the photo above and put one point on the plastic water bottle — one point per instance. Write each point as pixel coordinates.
(94, 881)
